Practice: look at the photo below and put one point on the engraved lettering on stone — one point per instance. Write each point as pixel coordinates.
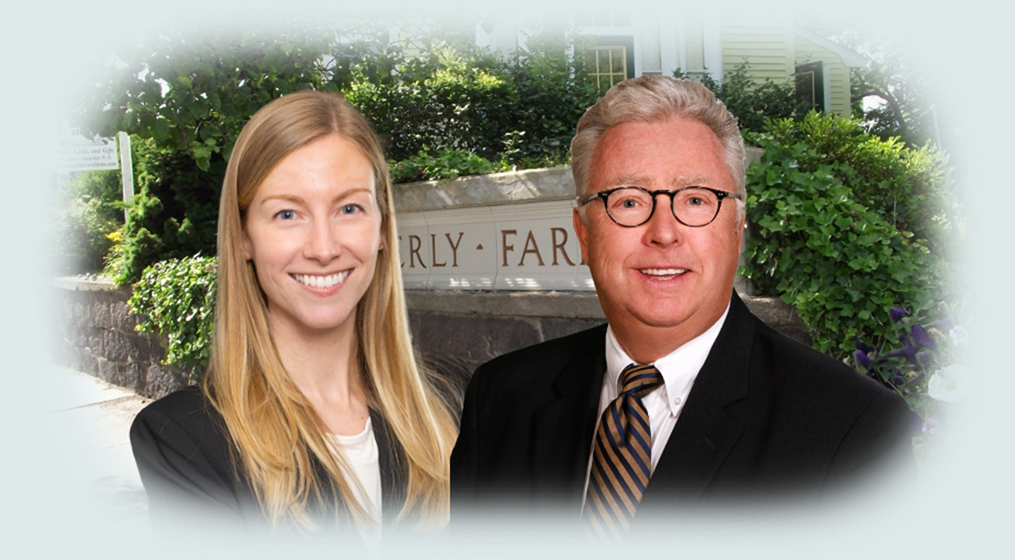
(433, 253)
(556, 245)
(454, 247)
(531, 247)
(414, 245)
(504, 246)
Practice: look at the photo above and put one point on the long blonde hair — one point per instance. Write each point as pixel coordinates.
(277, 434)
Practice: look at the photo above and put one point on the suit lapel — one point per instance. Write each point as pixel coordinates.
(394, 469)
(704, 434)
(562, 429)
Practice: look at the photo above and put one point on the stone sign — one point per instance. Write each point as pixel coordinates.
(526, 246)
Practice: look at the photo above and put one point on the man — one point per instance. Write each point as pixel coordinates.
(684, 397)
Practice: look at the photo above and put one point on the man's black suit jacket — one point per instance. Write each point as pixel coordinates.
(766, 415)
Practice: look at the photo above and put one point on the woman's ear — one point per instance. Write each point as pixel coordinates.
(248, 247)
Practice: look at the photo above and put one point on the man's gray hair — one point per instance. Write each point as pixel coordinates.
(657, 99)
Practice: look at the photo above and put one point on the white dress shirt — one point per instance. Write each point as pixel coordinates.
(678, 368)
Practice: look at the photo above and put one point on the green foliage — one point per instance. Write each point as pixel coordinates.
(435, 99)
(174, 213)
(448, 164)
(753, 102)
(454, 97)
(908, 187)
(176, 300)
(443, 99)
(551, 94)
(838, 262)
(193, 96)
(88, 212)
(184, 102)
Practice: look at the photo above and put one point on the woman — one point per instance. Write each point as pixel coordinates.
(313, 413)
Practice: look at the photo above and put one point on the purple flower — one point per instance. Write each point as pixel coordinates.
(907, 350)
(898, 379)
(862, 346)
(923, 339)
(931, 426)
(897, 313)
(863, 359)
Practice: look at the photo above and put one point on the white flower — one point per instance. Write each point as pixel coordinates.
(950, 384)
(959, 336)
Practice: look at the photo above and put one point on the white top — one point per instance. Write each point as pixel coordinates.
(678, 368)
(362, 469)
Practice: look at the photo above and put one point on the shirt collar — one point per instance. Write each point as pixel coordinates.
(678, 368)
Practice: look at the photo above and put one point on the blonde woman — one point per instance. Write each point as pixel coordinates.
(313, 414)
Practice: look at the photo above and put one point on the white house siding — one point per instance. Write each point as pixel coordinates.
(765, 42)
(807, 51)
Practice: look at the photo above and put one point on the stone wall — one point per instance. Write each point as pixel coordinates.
(478, 326)
(95, 332)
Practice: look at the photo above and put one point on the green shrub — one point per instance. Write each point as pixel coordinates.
(174, 213)
(909, 188)
(839, 263)
(753, 103)
(448, 164)
(176, 300)
(552, 93)
(440, 100)
(88, 211)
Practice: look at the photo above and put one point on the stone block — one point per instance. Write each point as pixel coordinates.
(160, 381)
(471, 339)
(121, 316)
(107, 371)
(556, 328)
(93, 341)
(139, 348)
(100, 312)
(134, 375)
(116, 346)
(157, 353)
(80, 313)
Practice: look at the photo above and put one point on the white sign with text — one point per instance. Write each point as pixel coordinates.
(529, 246)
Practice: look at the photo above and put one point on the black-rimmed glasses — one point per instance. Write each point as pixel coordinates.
(634, 206)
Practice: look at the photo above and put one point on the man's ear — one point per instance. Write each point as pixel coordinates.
(740, 231)
(581, 229)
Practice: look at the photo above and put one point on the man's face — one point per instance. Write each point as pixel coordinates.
(661, 279)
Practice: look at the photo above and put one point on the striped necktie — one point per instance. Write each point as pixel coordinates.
(622, 457)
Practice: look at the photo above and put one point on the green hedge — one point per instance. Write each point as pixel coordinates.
(815, 243)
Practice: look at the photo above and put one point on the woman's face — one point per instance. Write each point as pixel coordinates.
(313, 231)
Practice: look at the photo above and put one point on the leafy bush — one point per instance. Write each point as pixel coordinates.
(817, 247)
(522, 109)
(90, 211)
(184, 102)
(909, 188)
(448, 164)
(441, 100)
(552, 93)
(753, 103)
(176, 300)
(174, 213)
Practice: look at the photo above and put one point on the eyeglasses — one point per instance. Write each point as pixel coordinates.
(633, 206)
